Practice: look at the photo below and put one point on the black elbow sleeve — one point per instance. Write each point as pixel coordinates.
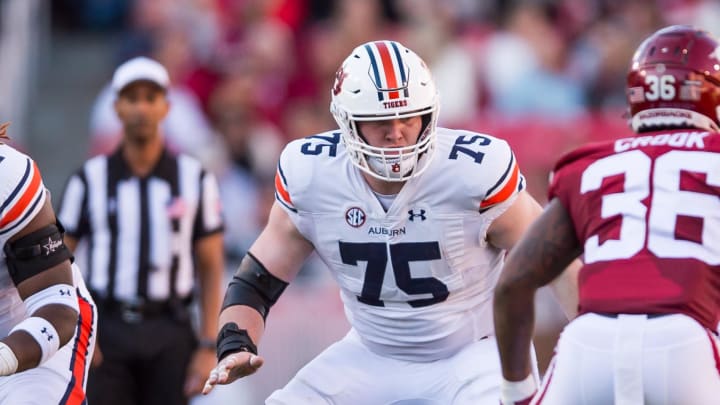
(36, 252)
(254, 286)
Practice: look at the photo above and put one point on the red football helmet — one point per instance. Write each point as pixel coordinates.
(674, 81)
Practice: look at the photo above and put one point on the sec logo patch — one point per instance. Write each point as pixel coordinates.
(355, 217)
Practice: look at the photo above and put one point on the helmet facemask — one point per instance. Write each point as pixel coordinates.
(361, 93)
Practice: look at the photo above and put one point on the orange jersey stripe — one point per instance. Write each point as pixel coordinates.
(388, 68)
(75, 395)
(506, 191)
(25, 200)
(279, 186)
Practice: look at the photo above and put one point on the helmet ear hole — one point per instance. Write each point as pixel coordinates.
(425, 122)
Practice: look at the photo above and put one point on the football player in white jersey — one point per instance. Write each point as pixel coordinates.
(413, 221)
(47, 317)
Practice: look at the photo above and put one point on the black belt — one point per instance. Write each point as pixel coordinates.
(138, 309)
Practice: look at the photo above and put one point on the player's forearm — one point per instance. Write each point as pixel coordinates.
(51, 307)
(514, 321)
(251, 293)
(26, 348)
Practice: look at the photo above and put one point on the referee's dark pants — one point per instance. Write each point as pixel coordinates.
(146, 353)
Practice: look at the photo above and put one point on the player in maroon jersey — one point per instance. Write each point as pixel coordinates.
(645, 214)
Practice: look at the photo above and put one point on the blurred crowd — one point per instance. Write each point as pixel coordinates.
(249, 75)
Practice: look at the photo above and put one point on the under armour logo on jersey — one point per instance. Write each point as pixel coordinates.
(355, 217)
(420, 215)
(65, 292)
(45, 332)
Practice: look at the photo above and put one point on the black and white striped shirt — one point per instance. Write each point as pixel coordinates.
(140, 231)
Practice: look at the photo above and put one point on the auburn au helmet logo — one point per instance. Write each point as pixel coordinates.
(340, 76)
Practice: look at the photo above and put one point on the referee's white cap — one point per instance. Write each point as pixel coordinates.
(140, 69)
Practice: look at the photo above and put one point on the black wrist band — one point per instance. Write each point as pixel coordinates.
(232, 339)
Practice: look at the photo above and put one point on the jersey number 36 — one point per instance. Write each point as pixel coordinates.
(670, 199)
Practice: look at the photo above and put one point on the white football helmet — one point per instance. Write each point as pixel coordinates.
(384, 80)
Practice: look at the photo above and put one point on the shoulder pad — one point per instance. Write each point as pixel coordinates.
(488, 165)
(299, 161)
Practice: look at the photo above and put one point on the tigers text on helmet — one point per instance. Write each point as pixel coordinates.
(378, 81)
(674, 81)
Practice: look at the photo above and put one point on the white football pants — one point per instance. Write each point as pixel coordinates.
(633, 360)
(348, 373)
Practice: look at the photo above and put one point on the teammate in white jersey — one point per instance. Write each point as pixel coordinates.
(413, 221)
(47, 318)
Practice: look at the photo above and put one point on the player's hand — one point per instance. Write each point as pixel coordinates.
(200, 366)
(232, 367)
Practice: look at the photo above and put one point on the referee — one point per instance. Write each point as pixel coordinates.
(151, 220)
